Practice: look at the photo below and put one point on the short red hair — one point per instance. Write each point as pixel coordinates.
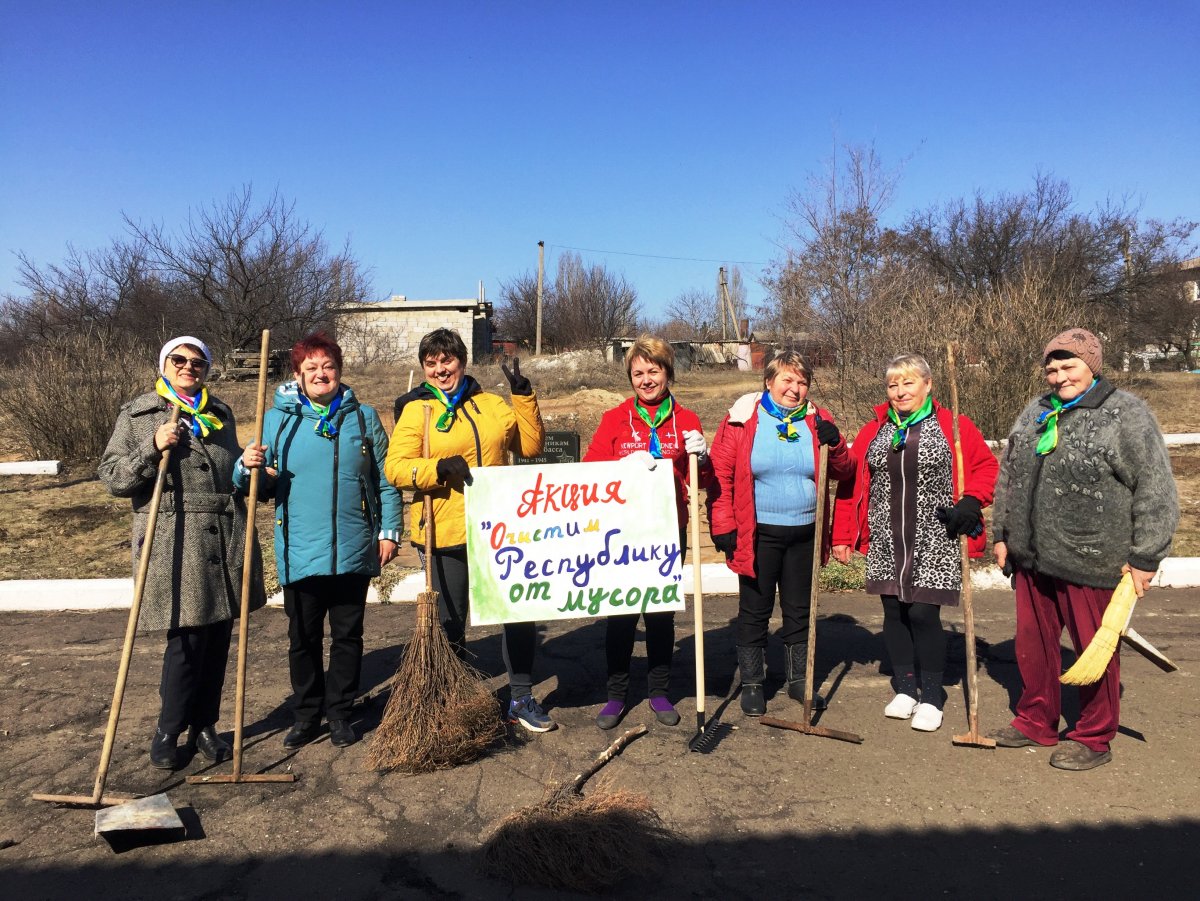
(317, 342)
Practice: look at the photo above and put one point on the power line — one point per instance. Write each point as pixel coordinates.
(656, 256)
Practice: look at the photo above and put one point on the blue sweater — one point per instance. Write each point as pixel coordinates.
(784, 491)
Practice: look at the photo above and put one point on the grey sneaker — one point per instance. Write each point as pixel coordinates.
(528, 712)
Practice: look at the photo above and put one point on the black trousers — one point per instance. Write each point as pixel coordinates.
(343, 599)
(620, 635)
(451, 582)
(783, 558)
(912, 634)
(660, 645)
(193, 676)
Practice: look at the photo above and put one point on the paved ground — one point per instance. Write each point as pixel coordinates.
(768, 814)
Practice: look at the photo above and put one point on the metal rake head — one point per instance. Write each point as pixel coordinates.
(706, 740)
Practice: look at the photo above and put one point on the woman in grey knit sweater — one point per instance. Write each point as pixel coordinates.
(1085, 494)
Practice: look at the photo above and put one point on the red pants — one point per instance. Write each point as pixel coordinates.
(1044, 606)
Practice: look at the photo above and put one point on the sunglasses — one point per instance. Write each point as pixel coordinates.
(179, 361)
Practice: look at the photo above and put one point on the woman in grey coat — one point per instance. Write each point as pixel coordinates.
(195, 575)
(1085, 495)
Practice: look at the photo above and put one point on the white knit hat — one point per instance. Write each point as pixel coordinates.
(174, 343)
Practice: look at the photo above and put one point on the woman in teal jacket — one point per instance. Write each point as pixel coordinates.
(337, 523)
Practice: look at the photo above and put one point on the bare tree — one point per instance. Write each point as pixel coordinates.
(838, 268)
(105, 292)
(584, 306)
(592, 305)
(516, 310)
(691, 316)
(250, 268)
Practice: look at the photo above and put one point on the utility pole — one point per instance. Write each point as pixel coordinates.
(537, 344)
(726, 304)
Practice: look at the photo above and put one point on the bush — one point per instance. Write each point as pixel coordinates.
(836, 577)
(61, 400)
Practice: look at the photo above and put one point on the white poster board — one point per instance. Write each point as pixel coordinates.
(572, 540)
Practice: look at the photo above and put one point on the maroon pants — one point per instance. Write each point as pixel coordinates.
(1044, 606)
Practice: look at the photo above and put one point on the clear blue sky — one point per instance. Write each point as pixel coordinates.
(445, 139)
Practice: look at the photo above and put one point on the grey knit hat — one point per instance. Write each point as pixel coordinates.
(1078, 342)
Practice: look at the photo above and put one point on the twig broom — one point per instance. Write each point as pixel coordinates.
(579, 842)
(440, 713)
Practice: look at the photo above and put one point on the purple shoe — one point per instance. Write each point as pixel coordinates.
(610, 714)
(664, 711)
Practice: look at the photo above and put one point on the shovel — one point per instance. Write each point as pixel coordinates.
(154, 811)
(806, 727)
(709, 734)
(244, 615)
(972, 739)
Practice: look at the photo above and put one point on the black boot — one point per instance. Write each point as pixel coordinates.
(796, 658)
(208, 743)
(751, 661)
(163, 751)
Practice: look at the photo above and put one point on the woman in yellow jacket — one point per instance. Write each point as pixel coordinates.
(469, 427)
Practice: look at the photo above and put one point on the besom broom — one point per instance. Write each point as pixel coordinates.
(579, 842)
(440, 713)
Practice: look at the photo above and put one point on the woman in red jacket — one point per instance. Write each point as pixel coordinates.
(649, 427)
(764, 515)
(902, 496)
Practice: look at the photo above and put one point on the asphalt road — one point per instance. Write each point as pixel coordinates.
(768, 814)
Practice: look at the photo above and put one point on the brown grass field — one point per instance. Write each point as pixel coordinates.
(67, 526)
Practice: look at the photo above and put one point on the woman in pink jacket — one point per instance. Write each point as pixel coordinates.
(764, 515)
(903, 499)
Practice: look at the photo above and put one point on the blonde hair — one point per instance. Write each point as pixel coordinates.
(789, 359)
(914, 364)
(654, 350)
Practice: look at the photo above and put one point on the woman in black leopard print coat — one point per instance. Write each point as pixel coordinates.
(900, 511)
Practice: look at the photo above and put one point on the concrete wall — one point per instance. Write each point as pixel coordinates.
(390, 331)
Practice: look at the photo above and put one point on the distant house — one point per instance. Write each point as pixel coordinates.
(389, 331)
(1189, 274)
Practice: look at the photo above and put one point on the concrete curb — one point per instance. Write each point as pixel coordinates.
(104, 594)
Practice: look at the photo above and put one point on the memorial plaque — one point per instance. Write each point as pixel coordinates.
(560, 447)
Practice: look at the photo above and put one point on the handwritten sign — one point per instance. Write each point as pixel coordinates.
(572, 540)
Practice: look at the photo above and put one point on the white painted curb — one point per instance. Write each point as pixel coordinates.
(106, 594)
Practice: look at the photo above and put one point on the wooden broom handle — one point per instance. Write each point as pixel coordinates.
(139, 588)
(427, 510)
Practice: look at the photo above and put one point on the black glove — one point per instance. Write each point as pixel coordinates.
(726, 543)
(964, 518)
(453, 470)
(827, 432)
(517, 383)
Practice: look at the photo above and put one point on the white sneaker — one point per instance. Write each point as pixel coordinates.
(927, 718)
(900, 707)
